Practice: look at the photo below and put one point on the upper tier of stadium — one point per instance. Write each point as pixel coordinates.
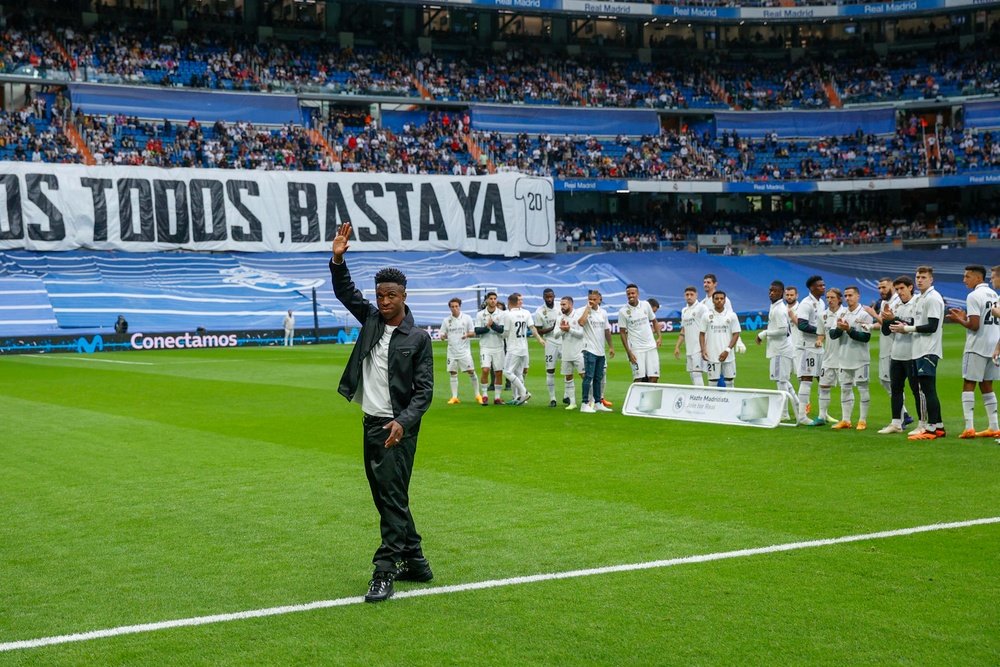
(749, 72)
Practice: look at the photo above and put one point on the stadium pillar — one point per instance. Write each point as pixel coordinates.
(251, 12)
(315, 318)
(332, 17)
(560, 30)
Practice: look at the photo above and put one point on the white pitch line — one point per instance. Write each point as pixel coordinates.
(114, 361)
(481, 585)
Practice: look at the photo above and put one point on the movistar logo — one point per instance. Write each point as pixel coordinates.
(754, 323)
(347, 335)
(83, 346)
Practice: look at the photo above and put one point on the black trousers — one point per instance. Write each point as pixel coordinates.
(388, 471)
(901, 373)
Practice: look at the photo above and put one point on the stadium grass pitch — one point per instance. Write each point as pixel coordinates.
(139, 488)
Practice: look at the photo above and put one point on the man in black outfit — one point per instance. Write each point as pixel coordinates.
(391, 374)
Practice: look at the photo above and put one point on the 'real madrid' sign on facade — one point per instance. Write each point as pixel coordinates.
(145, 209)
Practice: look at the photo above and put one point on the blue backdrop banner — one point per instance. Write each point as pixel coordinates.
(150, 102)
(807, 123)
(537, 119)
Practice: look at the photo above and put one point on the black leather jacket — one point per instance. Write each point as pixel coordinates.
(411, 360)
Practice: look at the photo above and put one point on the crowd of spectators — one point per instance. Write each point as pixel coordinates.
(675, 79)
(945, 72)
(679, 230)
(35, 134)
(122, 140)
(435, 147)
(730, 157)
(444, 144)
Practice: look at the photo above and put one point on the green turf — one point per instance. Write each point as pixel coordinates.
(221, 481)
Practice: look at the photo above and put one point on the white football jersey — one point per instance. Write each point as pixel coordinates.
(517, 329)
(902, 344)
(886, 341)
(545, 317)
(811, 310)
(572, 340)
(719, 332)
(593, 330)
(491, 341)
(635, 320)
(980, 302)
(855, 353)
(694, 320)
(779, 330)
(455, 328)
(831, 347)
(929, 305)
(796, 336)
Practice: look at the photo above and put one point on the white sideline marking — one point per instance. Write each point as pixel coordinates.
(114, 361)
(480, 585)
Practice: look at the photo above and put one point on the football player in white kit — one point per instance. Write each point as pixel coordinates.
(545, 321)
(490, 328)
(519, 324)
(779, 345)
(928, 349)
(887, 299)
(831, 352)
(694, 318)
(982, 333)
(853, 332)
(637, 329)
(901, 372)
(721, 334)
(457, 329)
(570, 333)
(809, 320)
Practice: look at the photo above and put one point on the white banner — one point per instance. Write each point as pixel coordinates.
(147, 209)
(763, 408)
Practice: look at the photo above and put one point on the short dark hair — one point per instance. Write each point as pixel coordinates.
(455, 300)
(390, 275)
(691, 288)
(653, 303)
(594, 292)
(903, 280)
(568, 298)
(512, 299)
(929, 270)
(793, 288)
(853, 287)
(885, 279)
(977, 268)
(717, 293)
(489, 294)
(777, 283)
(548, 290)
(812, 280)
(710, 276)
(631, 286)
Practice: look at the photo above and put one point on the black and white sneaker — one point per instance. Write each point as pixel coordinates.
(414, 569)
(380, 587)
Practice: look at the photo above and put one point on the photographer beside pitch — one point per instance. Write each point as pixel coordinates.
(391, 375)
